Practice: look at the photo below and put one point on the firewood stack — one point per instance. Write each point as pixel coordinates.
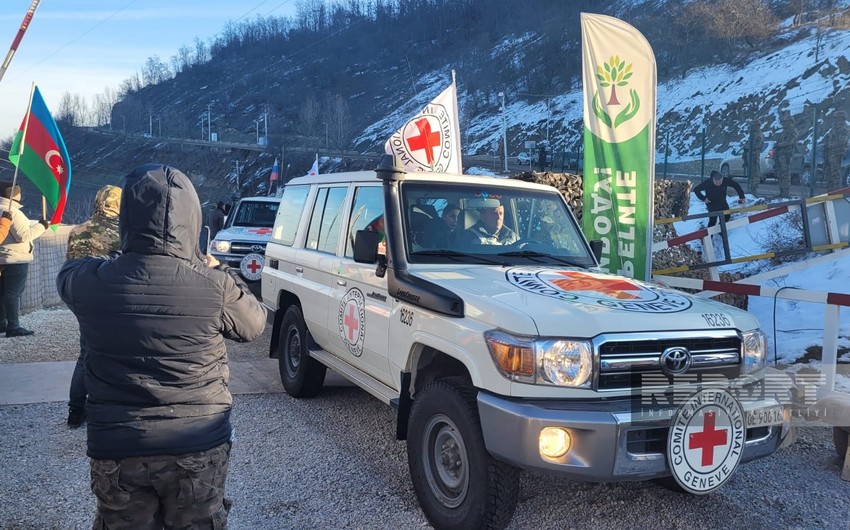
(672, 198)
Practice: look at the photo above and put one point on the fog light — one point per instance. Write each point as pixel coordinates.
(554, 442)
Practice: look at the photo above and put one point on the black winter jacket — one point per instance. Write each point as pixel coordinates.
(154, 320)
(716, 195)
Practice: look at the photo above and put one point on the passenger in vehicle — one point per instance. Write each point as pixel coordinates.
(490, 228)
(444, 230)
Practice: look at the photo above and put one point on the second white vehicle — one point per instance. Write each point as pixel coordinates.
(242, 242)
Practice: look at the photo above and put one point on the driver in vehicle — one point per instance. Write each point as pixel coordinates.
(490, 228)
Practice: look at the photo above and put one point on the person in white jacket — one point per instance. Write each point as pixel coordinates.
(15, 258)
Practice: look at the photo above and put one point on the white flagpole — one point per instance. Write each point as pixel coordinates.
(456, 128)
(23, 142)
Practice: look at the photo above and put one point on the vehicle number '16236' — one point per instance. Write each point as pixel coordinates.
(717, 320)
(406, 316)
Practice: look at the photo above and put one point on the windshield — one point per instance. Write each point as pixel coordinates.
(255, 213)
(490, 224)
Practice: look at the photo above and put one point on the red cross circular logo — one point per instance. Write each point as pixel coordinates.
(426, 141)
(706, 440)
(251, 266)
(352, 321)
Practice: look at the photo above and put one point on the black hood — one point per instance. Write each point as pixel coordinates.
(160, 213)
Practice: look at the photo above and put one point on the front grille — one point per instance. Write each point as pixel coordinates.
(631, 362)
(244, 247)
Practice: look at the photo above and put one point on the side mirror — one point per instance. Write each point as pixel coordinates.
(366, 246)
(204, 242)
(596, 248)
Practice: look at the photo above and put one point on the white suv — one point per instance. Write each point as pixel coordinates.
(500, 344)
(242, 242)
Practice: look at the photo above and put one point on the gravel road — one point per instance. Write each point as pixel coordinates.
(332, 462)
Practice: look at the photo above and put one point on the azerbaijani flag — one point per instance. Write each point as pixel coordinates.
(39, 152)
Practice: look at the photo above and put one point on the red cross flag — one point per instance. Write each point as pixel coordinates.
(430, 141)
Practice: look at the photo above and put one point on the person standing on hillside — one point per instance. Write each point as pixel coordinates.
(712, 191)
(16, 254)
(98, 236)
(216, 219)
(783, 150)
(836, 148)
(154, 320)
(753, 155)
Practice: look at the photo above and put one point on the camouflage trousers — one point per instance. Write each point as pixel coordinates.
(155, 492)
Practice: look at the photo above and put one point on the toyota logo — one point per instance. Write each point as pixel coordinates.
(675, 360)
(257, 248)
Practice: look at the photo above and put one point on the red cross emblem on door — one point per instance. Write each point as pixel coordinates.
(350, 321)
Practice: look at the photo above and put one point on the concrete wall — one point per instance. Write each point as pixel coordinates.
(48, 257)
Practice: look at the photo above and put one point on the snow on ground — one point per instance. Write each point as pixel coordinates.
(791, 326)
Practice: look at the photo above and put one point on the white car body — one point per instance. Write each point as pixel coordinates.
(397, 327)
(242, 242)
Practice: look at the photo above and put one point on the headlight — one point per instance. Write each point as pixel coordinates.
(220, 246)
(755, 350)
(565, 362)
(560, 362)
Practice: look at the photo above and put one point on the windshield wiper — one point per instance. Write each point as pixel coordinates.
(531, 254)
(455, 255)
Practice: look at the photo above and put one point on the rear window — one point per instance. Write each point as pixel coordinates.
(289, 214)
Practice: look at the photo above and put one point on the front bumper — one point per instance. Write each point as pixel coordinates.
(611, 441)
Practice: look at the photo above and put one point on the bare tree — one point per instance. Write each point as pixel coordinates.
(338, 118)
(308, 117)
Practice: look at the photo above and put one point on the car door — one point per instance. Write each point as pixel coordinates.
(317, 258)
(360, 305)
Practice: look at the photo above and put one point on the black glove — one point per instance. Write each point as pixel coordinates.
(45, 223)
(7, 215)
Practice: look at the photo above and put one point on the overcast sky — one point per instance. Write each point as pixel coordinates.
(84, 46)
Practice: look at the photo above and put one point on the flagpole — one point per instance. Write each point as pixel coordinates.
(23, 29)
(23, 142)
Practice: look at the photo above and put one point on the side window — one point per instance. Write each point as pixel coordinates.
(316, 219)
(366, 211)
(323, 234)
(332, 220)
(289, 214)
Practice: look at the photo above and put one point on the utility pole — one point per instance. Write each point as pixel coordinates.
(202, 126)
(209, 122)
(326, 135)
(266, 122)
(504, 131)
(159, 125)
(150, 123)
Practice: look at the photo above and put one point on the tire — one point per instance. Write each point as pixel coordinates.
(473, 489)
(839, 438)
(669, 483)
(724, 170)
(301, 375)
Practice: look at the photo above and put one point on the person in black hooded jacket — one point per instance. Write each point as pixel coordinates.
(154, 319)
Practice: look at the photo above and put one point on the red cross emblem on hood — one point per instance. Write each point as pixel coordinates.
(613, 287)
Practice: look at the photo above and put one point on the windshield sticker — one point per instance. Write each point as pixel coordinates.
(352, 321)
(598, 290)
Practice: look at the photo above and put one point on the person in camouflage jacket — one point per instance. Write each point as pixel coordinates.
(836, 147)
(99, 236)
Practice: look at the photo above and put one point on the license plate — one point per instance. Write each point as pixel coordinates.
(767, 416)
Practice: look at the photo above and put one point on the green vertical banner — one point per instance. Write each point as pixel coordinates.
(619, 77)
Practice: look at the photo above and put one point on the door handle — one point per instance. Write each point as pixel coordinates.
(341, 283)
(299, 270)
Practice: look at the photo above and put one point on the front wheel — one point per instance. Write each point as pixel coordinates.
(458, 483)
(301, 375)
(724, 170)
